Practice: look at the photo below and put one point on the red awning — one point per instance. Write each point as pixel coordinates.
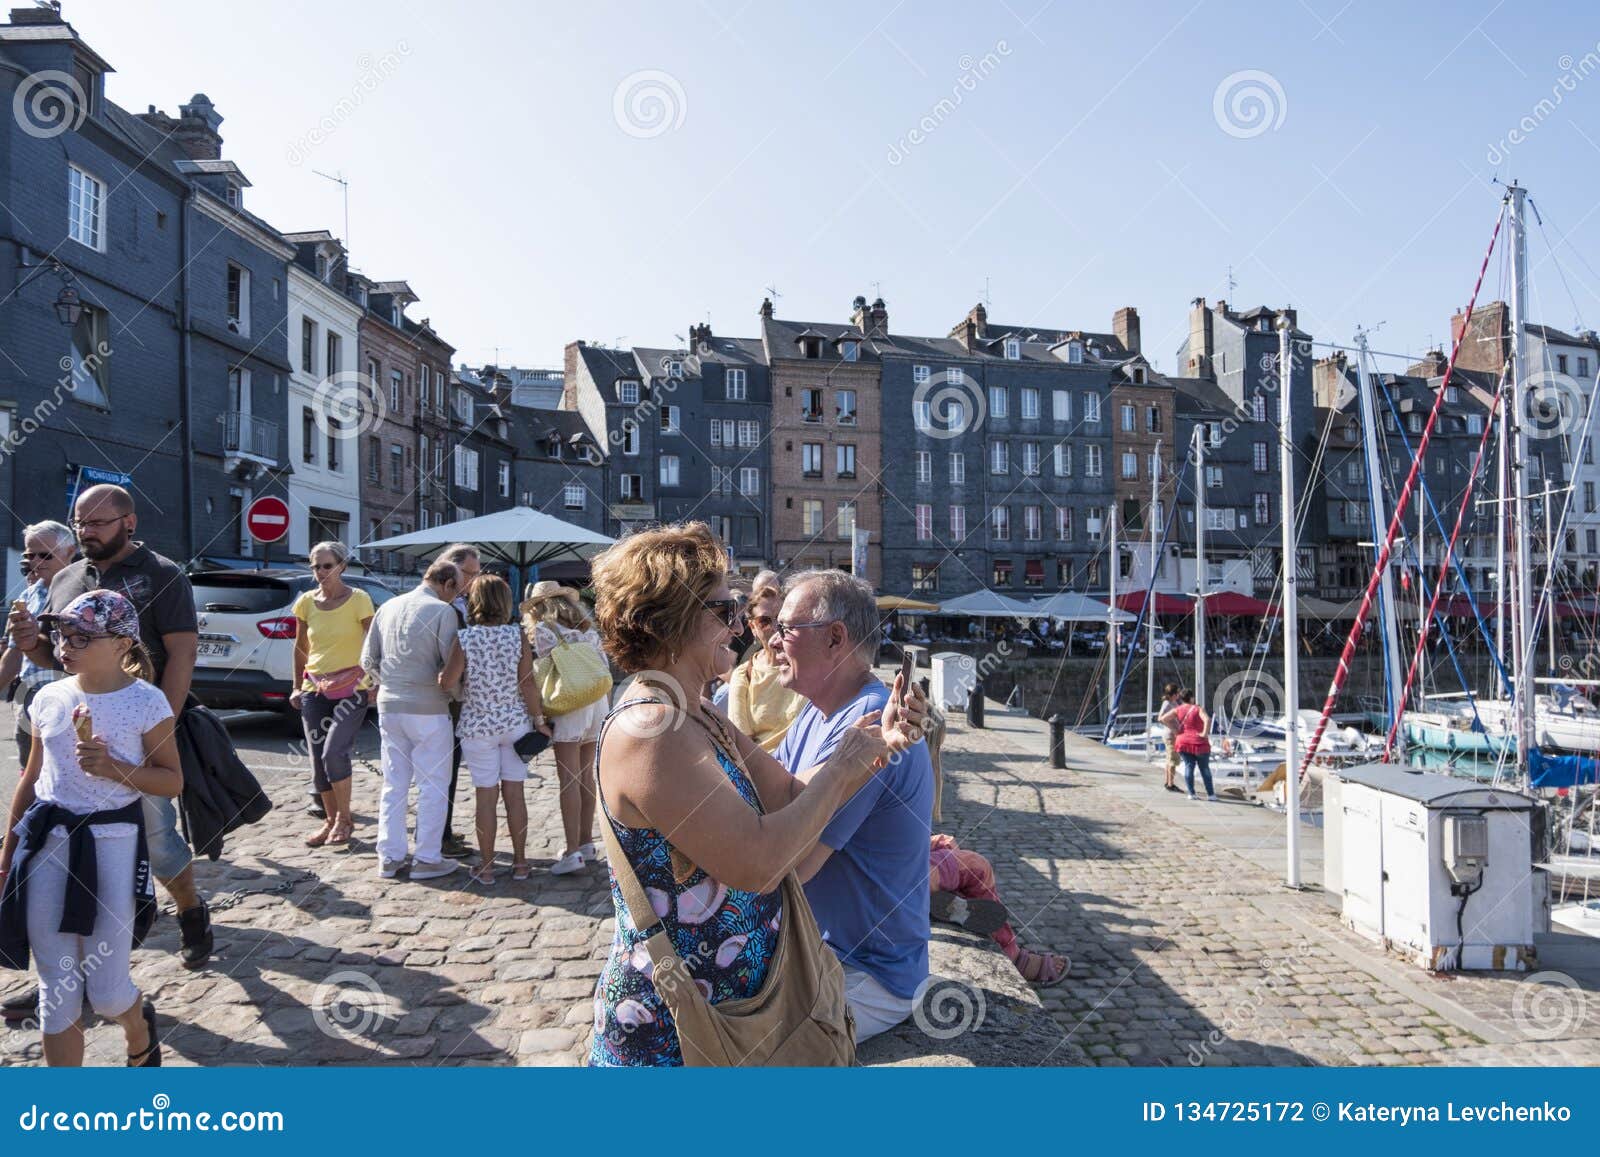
(1033, 568)
(1165, 604)
(1234, 603)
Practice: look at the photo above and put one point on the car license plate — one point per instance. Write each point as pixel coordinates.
(215, 650)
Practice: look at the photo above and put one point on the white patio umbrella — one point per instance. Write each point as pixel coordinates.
(521, 537)
(987, 604)
(1072, 607)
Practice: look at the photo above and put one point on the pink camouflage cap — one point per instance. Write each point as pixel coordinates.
(100, 614)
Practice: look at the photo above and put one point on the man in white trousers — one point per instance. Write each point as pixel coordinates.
(410, 640)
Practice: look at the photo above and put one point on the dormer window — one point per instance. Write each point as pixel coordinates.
(233, 195)
(1075, 353)
(1452, 394)
(849, 351)
(675, 369)
(628, 393)
(1013, 349)
(1264, 325)
(89, 86)
(810, 347)
(1136, 373)
(555, 446)
(394, 316)
(322, 267)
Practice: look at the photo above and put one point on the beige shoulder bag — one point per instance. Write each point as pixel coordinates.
(798, 1018)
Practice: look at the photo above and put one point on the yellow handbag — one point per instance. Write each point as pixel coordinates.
(571, 676)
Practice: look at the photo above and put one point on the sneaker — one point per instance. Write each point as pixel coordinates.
(423, 870)
(567, 864)
(195, 938)
(453, 847)
(21, 1007)
(588, 852)
(1213, 798)
(1193, 797)
(389, 869)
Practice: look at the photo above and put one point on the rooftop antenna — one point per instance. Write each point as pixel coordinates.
(877, 290)
(772, 292)
(987, 300)
(1232, 284)
(344, 189)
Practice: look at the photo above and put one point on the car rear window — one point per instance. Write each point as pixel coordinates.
(243, 594)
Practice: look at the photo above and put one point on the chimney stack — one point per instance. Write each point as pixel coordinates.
(766, 307)
(1125, 324)
(859, 317)
(1199, 339)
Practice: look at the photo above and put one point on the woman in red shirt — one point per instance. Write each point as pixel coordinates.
(1193, 727)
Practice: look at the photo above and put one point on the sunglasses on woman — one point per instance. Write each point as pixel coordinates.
(762, 621)
(730, 611)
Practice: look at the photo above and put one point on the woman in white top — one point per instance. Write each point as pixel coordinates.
(552, 615)
(499, 705)
(103, 737)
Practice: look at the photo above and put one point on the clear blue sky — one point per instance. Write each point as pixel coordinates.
(1086, 170)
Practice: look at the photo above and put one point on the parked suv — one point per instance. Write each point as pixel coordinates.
(247, 630)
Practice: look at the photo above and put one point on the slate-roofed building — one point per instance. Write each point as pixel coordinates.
(1002, 445)
(1231, 357)
(131, 258)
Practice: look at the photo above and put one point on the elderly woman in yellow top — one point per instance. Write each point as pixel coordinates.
(758, 704)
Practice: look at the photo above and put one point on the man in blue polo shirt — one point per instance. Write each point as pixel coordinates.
(867, 878)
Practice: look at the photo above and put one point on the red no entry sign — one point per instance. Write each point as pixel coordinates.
(267, 519)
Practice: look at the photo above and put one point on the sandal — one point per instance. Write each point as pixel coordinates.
(482, 874)
(150, 1056)
(521, 870)
(1041, 969)
(321, 837)
(341, 834)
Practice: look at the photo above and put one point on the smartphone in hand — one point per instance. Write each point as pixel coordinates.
(908, 668)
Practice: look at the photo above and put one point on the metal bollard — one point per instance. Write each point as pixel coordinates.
(1058, 741)
(975, 707)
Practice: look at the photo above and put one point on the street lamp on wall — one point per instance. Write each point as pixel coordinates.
(68, 305)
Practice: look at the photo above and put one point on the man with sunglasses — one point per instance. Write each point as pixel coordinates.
(47, 547)
(867, 876)
(106, 520)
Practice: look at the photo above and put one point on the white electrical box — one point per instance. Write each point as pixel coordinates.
(1415, 848)
(954, 676)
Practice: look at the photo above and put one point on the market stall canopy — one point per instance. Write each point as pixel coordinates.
(987, 604)
(906, 605)
(1234, 603)
(520, 537)
(1070, 606)
(1165, 604)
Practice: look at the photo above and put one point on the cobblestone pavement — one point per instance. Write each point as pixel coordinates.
(1183, 950)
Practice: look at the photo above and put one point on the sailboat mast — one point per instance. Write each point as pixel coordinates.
(1199, 562)
(1523, 677)
(1150, 611)
(1380, 520)
(1111, 628)
(1502, 507)
(1291, 604)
